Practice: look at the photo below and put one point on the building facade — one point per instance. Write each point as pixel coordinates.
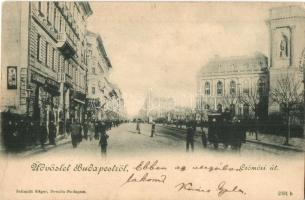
(104, 100)
(99, 69)
(287, 45)
(227, 84)
(49, 63)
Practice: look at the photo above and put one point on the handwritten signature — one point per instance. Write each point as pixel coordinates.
(145, 178)
(221, 189)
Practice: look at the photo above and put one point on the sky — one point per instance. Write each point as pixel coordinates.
(162, 46)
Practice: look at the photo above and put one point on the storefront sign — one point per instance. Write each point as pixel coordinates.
(23, 85)
(52, 83)
(11, 77)
(38, 78)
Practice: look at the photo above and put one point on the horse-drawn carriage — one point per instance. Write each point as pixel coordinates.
(223, 128)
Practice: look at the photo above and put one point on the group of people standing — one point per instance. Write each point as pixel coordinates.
(92, 130)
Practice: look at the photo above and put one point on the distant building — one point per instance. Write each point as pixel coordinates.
(104, 99)
(222, 81)
(99, 69)
(156, 107)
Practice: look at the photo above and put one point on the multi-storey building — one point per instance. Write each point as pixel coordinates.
(99, 68)
(223, 81)
(44, 57)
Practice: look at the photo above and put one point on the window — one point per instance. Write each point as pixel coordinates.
(47, 54)
(207, 88)
(219, 67)
(93, 70)
(246, 87)
(66, 66)
(261, 87)
(59, 63)
(93, 90)
(70, 70)
(38, 53)
(219, 88)
(232, 88)
(55, 19)
(54, 67)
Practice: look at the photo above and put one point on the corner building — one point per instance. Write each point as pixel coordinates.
(49, 38)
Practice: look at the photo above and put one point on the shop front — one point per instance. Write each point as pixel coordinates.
(93, 108)
(44, 96)
(78, 106)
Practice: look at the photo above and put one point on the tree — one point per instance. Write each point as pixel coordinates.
(288, 95)
(253, 98)
(229, 101)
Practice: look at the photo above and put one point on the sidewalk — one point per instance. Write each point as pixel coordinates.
(295, 144)
(30, 150)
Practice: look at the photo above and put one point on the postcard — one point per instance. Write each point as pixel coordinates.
(152, 100)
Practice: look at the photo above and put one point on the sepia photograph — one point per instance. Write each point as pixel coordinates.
(152, 100)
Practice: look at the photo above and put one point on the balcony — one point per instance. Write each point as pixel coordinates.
(66, 45)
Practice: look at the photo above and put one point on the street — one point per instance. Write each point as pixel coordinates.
(125, 141)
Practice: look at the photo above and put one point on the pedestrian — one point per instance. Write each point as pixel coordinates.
(153, 126)
(91, 129)
(85, 129)
(96, 129)
(61, 123)
(138, 127)
(52, 127)
(190, 132)
(75, 133)
(42, 133)
(103, 139)
(203, 138)
(68, 126)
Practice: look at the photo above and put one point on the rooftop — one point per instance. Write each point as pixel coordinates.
(287, 12)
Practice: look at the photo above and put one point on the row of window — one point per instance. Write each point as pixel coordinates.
(54, 18)
(234, 67)
(52, 59)
(232, 88)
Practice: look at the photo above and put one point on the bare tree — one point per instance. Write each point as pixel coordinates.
(229, 100)
(288, 94)
(253, 99)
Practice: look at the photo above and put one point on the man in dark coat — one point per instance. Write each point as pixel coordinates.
(85, 128)
(103, 139)
(42, 133)
(153, 127)
(75, 133)
(190, 132)
(138, 127)
(52, 127)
